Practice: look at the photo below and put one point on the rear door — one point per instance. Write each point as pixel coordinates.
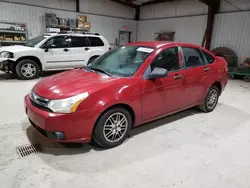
(196, 74)
(80, 54)
(58, 55)
(163, 95)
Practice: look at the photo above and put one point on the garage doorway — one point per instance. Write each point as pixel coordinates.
(124, 37)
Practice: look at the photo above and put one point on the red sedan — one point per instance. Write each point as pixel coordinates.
(124, 88)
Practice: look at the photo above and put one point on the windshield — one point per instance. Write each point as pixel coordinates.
(123, 61)
(33, 42)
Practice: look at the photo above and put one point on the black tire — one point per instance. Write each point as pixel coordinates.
(205, 106)
(246, 78)
(99, 133)
(230, 56)
(33, 71)
(231, 76)
(92, 59)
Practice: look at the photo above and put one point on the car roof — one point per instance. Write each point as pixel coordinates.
(159, 44)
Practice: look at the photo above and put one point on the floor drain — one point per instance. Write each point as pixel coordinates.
(26, 150)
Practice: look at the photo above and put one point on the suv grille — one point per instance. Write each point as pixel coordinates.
(39, 102)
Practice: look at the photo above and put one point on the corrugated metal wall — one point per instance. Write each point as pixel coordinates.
(187, 29)
(34, 18)
(233, 30)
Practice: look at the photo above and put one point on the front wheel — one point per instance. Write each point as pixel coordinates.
(27, 69)
(211, 100)
(112, 128)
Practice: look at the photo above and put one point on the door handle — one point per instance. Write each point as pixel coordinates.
(177, 76)
(206, 69)
(66, 50)
(87, 49)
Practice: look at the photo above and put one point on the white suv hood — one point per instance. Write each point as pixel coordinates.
(17, 48)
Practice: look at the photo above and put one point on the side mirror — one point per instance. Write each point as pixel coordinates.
(158, 73)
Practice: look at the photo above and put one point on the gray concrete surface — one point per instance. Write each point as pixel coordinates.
(189, 149)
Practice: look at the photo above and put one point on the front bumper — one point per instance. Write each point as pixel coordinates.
(75, 127)
(6, 65)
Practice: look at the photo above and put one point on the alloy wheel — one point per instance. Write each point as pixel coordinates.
(28, 70)
(115, 127)
(212, 98)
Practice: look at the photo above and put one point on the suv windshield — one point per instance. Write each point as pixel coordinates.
(123, 61)
(33, 42)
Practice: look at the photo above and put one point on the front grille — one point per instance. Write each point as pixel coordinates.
(40, 107)
(39, 102)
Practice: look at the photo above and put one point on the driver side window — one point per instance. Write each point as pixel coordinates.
(167, 59)
(58, 42)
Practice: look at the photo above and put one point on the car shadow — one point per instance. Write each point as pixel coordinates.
(163, 121)
(57, 149)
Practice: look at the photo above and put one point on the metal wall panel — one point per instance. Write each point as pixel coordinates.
(105, 7)
(187, 29)
(233, 30)
(234, 5)
(34, 18)
(173, 9)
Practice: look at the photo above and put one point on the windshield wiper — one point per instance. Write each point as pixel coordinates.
(100, 70)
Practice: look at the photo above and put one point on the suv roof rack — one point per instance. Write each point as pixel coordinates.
(71, 32)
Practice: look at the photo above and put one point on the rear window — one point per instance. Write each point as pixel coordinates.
(210, 59)
(95, 41)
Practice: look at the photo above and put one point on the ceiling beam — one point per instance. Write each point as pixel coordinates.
(126, 3)
(155, 2)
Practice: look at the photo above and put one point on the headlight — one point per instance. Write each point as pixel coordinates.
(6, 54)
(68, 105)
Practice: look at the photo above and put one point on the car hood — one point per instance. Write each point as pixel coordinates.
(16, 48)
(71, 83)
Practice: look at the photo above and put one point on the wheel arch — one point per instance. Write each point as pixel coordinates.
(218, 85)
(33, 58)
(119, 105)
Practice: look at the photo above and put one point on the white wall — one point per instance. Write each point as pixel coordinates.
(187, 29)
(99, 7)
(173, 9)
(34, 18)
(234, 5)
(106, 7)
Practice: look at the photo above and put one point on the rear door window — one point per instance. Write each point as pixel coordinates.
(192, 57)
(210, 59)
(78, 42)
(95, 41)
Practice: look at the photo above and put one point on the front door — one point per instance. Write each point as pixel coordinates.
(124, 37)
(196, 74)
(80, 51)
(163, 95)
(58, 55)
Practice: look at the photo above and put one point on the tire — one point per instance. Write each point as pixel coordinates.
(209, 105)
(92, 59)
(230, 56)
(27, 69)
(108, 135)
(246, 78)
(231, 76)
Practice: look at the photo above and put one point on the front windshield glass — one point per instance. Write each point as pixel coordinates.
(123, 61)
(33, 42)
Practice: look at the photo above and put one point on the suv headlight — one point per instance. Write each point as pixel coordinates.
(68, 105)
(6, 54)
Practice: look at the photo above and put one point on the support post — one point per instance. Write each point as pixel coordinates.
(137, 13)
(77, 5)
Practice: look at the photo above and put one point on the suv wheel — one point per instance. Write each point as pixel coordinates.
(211, 100)
(27, 69)
(112, 128)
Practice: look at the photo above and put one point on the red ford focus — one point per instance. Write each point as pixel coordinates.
(124, 88)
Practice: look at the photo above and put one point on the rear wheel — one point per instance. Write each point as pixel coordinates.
(211, 99)
(246, 78)
(27, 69)
(92, 59)
(112, 128)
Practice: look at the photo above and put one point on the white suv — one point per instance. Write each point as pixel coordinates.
(52, 52)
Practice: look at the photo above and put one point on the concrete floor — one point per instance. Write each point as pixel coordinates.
(189, 149)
